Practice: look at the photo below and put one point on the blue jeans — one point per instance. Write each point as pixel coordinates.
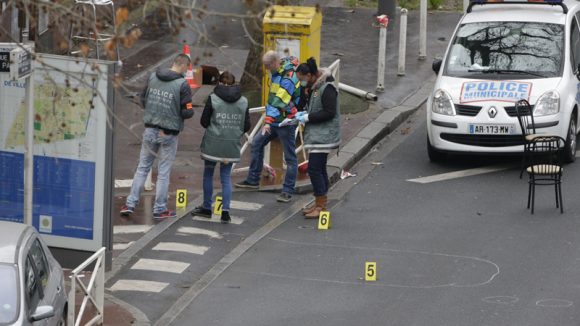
(164, 147)
(226, 180)
(318, 174)
(287, 138)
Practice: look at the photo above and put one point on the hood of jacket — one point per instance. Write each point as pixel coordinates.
(288, 64)
(325, 76)
(230, 94)
(166, 74)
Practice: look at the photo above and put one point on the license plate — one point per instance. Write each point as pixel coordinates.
(491, 129)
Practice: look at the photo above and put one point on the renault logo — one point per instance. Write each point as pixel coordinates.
(492, 112)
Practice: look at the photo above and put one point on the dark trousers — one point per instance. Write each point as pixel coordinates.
(318, 174)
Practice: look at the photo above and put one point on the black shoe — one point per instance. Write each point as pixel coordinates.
(200, 211)
(247, 185)
(226, 217)
(284, 197)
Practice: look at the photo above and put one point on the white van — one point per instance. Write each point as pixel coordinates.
(502, 52)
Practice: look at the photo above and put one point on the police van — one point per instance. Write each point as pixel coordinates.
(502, 52)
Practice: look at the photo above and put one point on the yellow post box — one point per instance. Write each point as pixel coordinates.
(290, 31)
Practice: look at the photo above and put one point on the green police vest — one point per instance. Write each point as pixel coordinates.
(325, 135)
(221, 141)
(163, 107)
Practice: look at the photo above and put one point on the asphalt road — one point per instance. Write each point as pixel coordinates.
(463, 251)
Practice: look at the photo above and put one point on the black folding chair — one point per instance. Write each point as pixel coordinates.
(526, 120)
(545, 168)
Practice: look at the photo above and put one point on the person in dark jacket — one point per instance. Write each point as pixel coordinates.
(167, 103)
(321, 130)
(226, 117)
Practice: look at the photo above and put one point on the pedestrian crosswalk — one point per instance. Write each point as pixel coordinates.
(186, 250)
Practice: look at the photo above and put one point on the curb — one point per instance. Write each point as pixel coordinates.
(362, 143)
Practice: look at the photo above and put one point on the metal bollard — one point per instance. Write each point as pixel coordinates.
(423, 31)
(402, 43)
(149, 182)
(383, 21)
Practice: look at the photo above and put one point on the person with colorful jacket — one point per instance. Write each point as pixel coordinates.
(226, 117)
(167, 103)
(283, 96)
(321, 129)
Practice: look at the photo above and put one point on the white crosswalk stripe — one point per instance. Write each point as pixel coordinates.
(123, 183)
(460, 174)
(128, 229)
(160, 265)
(245, 206)
(122, 246)
(181, 247)
(139, 285)
(197, 231)
(216, 219)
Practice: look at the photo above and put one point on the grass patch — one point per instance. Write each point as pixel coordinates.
(362, 3)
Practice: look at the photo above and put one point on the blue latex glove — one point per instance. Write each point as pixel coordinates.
(302, 117)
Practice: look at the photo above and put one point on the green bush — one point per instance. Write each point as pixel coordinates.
(435, 4)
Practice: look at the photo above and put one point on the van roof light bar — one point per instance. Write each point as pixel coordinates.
(530, 2)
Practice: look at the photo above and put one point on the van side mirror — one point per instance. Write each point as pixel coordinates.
(578, 72)
(437, 65)
(41, 313)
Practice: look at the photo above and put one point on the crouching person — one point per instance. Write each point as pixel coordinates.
(321, 129)
(226, 118)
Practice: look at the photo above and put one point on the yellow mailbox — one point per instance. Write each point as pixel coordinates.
(291, 30)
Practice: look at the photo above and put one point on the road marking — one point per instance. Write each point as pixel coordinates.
(123, 183)
(160, 265)
(181, 247)
(127, 229)
(191, 230)
(138, 285)
(460, 174)
(216, 219)
(245, 206)
(122, 246)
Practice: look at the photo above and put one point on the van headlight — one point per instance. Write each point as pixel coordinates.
(442, 103)
(548, 103)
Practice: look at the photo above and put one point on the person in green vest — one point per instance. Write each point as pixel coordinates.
(226, 117)
(167, 103)
(321, 121)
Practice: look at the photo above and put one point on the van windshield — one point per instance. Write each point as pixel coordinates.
(492, 50)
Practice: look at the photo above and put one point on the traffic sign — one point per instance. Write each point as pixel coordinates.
(20, 62)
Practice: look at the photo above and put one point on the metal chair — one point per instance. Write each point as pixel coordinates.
(525, 116)
(545, 168)
(93, 35)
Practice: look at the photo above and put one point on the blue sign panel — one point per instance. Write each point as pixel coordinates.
(11, 186)
(64, 191)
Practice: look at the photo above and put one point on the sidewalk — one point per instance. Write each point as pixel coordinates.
(361, 131)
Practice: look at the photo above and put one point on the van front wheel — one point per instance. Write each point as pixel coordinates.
(570, 147)
(434, 154)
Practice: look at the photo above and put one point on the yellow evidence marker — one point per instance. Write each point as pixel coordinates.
(324, 220)
(181, 198)
(370, 271)
(217, 206)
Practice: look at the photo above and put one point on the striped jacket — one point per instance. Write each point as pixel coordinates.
(284, 92)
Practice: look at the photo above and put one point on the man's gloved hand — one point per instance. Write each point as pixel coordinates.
(302, 117)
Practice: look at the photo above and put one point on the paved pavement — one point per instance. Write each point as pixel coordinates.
(462, 251)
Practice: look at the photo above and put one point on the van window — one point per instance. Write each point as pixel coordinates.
(499, 50)
(575, 45)
(8, 295)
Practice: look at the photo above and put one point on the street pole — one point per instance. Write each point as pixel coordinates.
(383, 21)
(402, 43)
(29, 151)
(423, 31)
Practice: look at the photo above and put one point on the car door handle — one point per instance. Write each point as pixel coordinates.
(58, 289)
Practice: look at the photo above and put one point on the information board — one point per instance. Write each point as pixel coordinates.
(72, 140)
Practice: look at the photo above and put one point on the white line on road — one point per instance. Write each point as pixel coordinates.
(126, 229)
(160, 265)
(245, 206)
(194, 231)
(126, 183)
(216, 219)
(181, 247)
(138, 285)
(460, 174)
(122, 246)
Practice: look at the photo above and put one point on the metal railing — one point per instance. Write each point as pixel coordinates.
(93, 292)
